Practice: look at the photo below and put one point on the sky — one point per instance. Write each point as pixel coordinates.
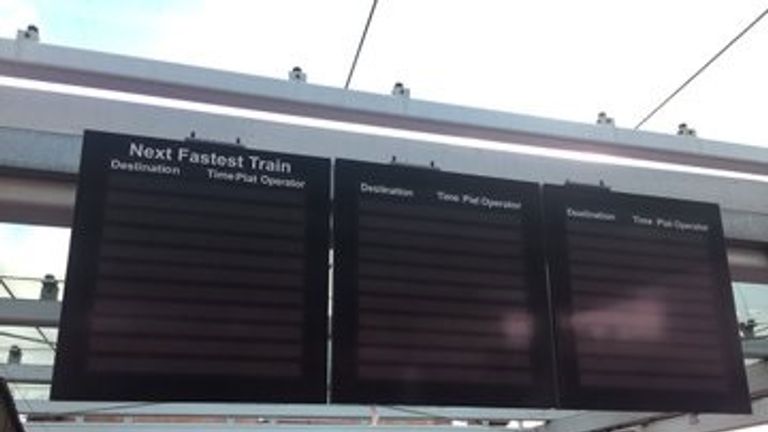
(554, 58)
(36, 251)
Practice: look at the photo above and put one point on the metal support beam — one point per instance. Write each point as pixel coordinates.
(35, 313)
(27, 373)
(755, 348)
(36, 200)
(278, 411)
(224, 427)
(146, 77)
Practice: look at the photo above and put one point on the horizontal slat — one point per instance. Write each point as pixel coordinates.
(196, 205)
(189, 366)
(616, 232)
(204, 190)
(426, 308)
(195, 274)
(135, 346)
(189, 293)
(513, 293)
(425, 226)
(439, 244)
(439, 276)
(201, 241)
(194, 328)
(444, 374)
(182, 311)
(493, 326)
(455, 260)
(441, 213)
(434, 357)
(201, 223)
(587, 242)
(427, 339)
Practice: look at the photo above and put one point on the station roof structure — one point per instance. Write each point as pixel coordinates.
(468, 67)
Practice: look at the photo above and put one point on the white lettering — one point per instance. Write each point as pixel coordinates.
(589, 214)
(385, 190)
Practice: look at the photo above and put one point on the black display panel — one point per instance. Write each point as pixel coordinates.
(643, 304)
(197, 272)
(439, 289)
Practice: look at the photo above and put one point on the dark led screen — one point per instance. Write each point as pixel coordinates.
(197, 272)
(439, 289)
(643, 303)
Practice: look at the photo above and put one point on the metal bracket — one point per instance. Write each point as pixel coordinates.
(431, 166)
(601, 186)
(192, 138)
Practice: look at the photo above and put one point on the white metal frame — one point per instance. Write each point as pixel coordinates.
(26, 59)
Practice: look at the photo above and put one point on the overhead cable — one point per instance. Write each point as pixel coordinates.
(360, 44)
(702, 68)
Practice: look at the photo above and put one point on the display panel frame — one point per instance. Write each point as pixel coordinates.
(72, 380)
(347, 386)
(733, 398)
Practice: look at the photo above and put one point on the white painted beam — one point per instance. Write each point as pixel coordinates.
(26, 373)
(277, 411)
(36, 200)
(223, 427)
(755, 348)
(34, 313)
(160, 79)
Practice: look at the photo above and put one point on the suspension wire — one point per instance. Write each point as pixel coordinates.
(360, 44)
(26, 338)
(702, 68)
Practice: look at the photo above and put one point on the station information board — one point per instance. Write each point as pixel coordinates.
(643, 303)
(197, 272)
(439, 289)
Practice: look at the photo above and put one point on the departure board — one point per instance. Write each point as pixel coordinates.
(197, 272)
(439, 289)
(643, 303)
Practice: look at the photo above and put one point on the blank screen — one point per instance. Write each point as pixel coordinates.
(439, 290)
(643, 303)
(197, 272)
